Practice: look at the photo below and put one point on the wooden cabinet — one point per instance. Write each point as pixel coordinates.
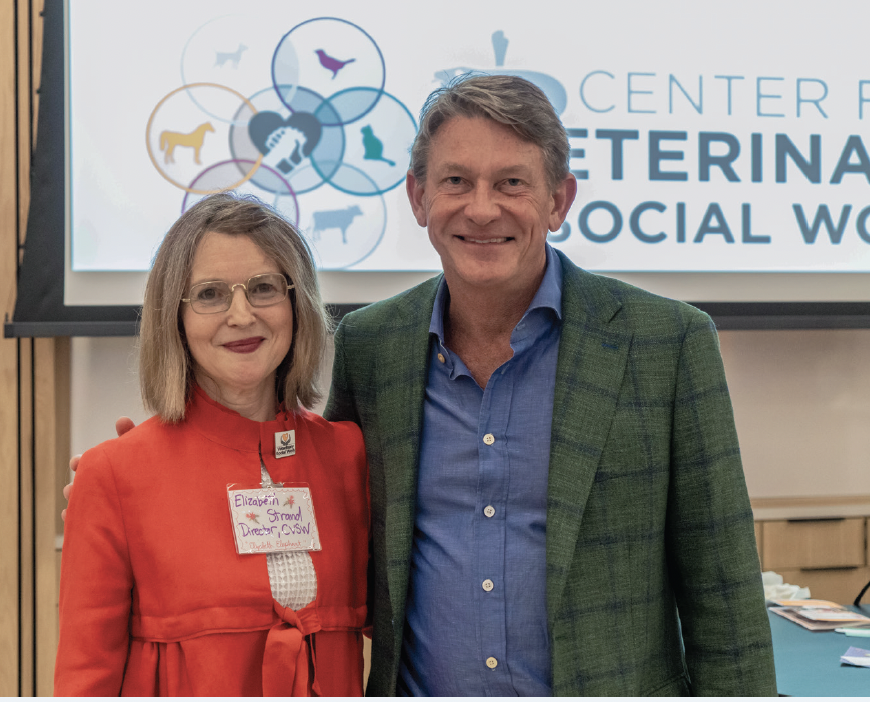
(830, 556)
(814, 543)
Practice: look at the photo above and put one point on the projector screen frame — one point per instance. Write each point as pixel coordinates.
(40, 310)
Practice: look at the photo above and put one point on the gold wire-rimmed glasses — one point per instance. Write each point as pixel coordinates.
(216, 295)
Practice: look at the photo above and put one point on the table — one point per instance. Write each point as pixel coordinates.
(808, 662)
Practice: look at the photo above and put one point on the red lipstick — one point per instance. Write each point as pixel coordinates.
(244, 345)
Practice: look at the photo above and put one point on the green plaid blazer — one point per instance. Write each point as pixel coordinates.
(653, 580)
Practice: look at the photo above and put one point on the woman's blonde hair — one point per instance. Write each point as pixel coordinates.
(165, 364)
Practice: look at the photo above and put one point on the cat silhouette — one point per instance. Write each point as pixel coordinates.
(374, 147)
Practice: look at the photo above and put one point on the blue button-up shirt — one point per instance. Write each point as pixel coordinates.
(476, 619)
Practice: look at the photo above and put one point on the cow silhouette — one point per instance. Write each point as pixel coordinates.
(334, 219)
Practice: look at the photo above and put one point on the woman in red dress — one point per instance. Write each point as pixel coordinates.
(160, 592)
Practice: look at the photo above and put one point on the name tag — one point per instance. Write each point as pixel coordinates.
(268, 520)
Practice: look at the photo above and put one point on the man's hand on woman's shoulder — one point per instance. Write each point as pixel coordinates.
(122, 426)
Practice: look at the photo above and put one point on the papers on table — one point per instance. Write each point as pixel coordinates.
(819, 615)
(856, 656)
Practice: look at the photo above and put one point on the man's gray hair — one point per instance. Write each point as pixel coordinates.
(509, 100)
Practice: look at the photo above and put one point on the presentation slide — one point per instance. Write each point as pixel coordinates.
(706, 138)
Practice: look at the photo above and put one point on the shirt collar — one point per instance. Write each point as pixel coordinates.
(548, 296)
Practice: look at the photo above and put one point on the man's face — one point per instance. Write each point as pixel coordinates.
(487, 204)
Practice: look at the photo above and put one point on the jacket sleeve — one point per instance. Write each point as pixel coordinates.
(95, 586)
(711, 541)
(340, 406)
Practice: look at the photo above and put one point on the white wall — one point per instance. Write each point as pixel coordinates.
(104, 386)
(801, 402)
(802, 406)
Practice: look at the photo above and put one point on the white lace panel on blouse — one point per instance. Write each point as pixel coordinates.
(291, 573)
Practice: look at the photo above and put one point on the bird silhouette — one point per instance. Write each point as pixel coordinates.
(331, 64)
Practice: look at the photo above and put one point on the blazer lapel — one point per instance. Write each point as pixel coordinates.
(593, 352)
(401, 372)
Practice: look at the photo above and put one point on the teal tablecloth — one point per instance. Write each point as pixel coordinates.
(808, 662)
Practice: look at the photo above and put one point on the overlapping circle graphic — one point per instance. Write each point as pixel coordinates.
(182, 151)
(283, 200)
(306, 126)
(302, 58)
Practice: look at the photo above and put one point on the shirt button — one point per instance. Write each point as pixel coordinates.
(441, 357)
(489, 510)
(491, 662)
(489, 439)
(487, 585)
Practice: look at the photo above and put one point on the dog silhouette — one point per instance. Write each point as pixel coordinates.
(222, 57)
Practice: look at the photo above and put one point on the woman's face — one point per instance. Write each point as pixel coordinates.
(239, 349)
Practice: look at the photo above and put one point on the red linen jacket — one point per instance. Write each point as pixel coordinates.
(154, 598)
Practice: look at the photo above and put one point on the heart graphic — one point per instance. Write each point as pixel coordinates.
(266, 129)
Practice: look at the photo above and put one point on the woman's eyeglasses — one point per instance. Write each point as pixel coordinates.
(217, 296)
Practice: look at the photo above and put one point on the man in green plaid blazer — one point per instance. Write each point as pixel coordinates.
(652, 576)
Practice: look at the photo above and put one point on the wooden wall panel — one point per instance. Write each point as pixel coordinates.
(836, 543)
(9, 570)
(26, 519)
(51, 361)
(34, 390)
(8, 171)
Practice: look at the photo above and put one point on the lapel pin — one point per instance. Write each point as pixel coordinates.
(285, 443)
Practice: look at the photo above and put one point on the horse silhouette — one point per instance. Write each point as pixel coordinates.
(169, 140)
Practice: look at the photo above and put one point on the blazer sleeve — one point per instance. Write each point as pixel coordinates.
(95, 585)
(711, 539)
(340, 406)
